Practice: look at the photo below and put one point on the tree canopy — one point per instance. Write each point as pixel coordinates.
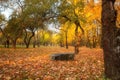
(78, 21)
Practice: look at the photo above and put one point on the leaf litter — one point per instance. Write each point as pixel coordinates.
(35, 64)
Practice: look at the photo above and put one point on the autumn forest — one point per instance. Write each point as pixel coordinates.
(59, 39)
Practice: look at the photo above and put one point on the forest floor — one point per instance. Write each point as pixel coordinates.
(35, 64)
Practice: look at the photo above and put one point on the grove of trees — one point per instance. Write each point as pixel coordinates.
(74, 19)
(90, 23)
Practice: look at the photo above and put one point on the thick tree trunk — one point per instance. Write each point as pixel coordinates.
(109, 37)
(27, 45)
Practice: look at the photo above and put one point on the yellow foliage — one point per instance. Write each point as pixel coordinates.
(75, 1)
(46, 36)
(55, 38)
(70, 28)
(92, 14)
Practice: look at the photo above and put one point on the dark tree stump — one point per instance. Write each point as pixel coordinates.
(62, 56)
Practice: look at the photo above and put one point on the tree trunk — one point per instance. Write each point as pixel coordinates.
(94, 42)
(27, 38)
(34, 44)
(14, 43)
(7, 43)
(109, 36)
(76, 41)
(66, 40)
(27, 45)
(7, 38)
(28, 42)
(77, 36)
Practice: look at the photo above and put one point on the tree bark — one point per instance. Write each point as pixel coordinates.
(76, 40)
(66, 41)
(94, 41)
(109, 37)
(7, 43)
(27, 38)
(77, 36)
(14, 43)
(34, 42)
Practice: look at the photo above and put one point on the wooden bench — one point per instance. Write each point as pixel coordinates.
(63, 56)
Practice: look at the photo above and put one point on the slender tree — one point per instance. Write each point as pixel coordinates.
(72, 11)
(65, 31)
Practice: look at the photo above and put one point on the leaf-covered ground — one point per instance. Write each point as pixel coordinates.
(35, 64)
